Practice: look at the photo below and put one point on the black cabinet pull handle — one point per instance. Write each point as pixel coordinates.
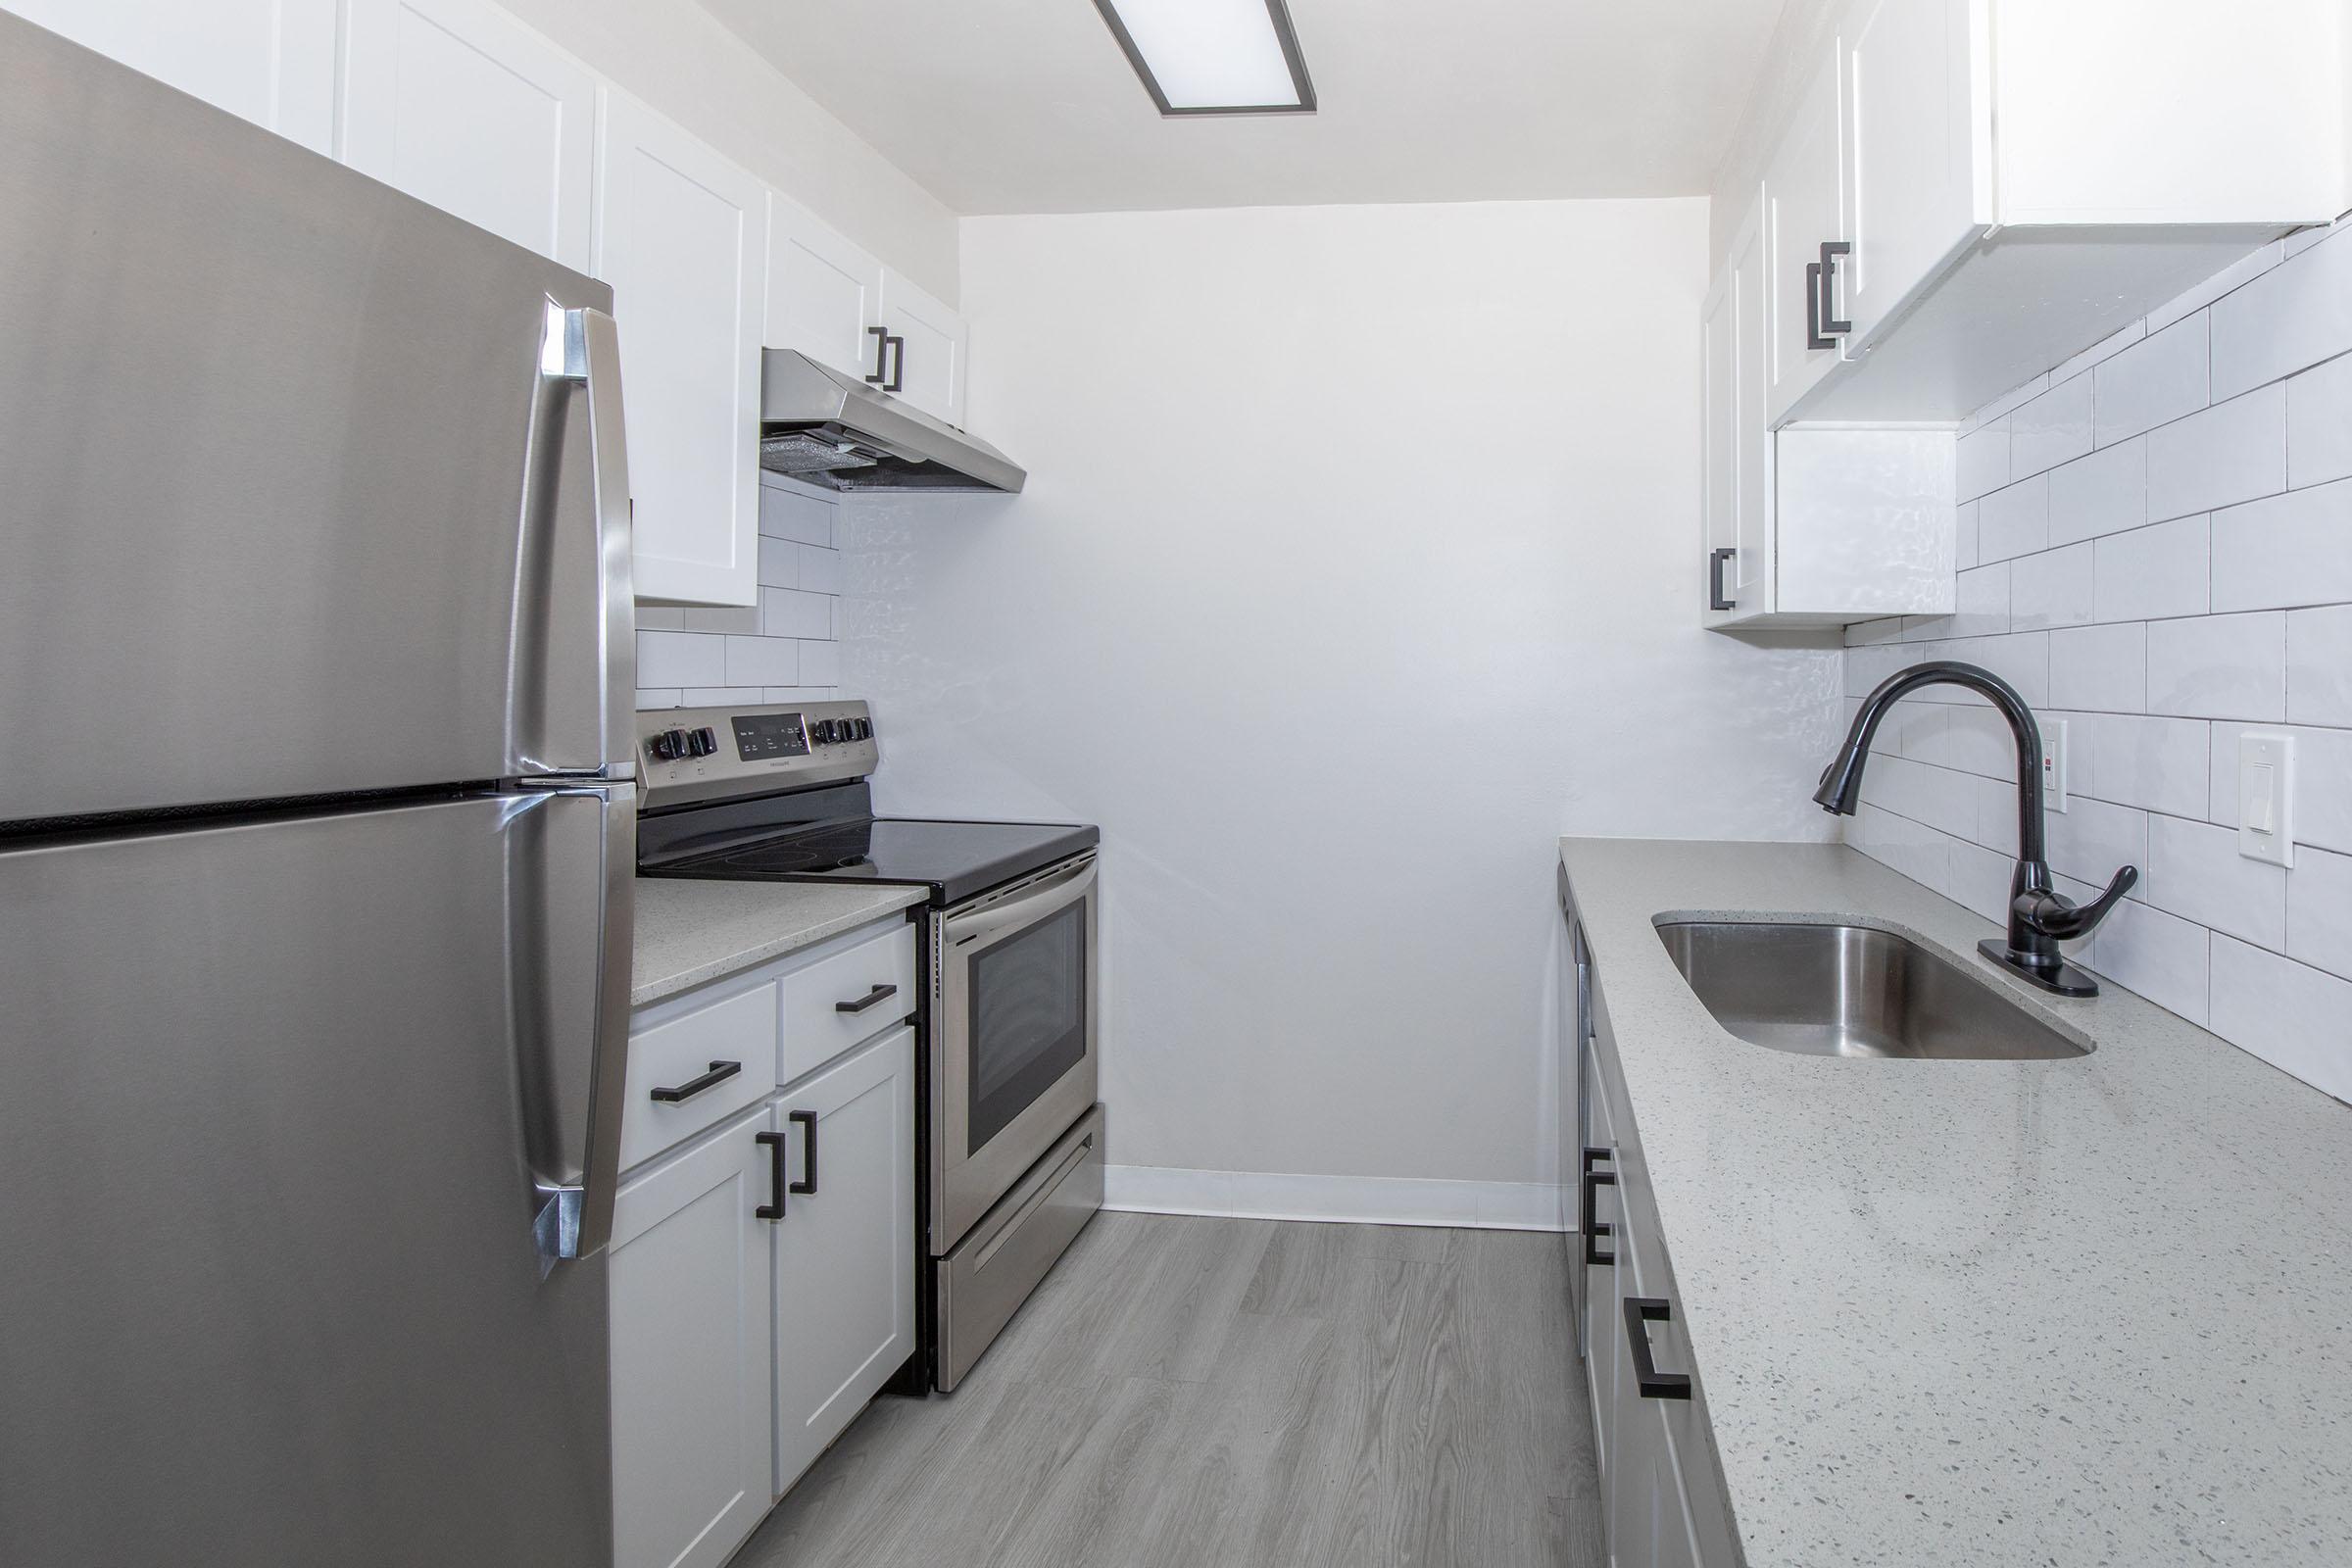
(1831, 250)
(807, 1185)
(878, 994)
(773, 1209)
(881, 370)
(1813, 337)
(1640, 1310)
(898, 363)
(1715, 594)
(719, 1073)
(1588, 1216)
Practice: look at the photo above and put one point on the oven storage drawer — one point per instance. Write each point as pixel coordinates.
(985, 1279)
(853, 996)
(694, 1068)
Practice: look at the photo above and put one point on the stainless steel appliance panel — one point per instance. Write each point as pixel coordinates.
(985, 1279)
(280, 1104)
(967, 1177)
(303, 492)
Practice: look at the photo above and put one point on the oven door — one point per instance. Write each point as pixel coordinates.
(1015, 1050)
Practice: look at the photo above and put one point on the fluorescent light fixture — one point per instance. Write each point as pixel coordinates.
(1214, 57)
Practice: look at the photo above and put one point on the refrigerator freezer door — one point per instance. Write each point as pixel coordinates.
(302, 487)
(276, 1104)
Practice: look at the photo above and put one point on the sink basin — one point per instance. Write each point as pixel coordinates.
(1851, 991)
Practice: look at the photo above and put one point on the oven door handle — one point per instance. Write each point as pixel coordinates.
(1058, 891)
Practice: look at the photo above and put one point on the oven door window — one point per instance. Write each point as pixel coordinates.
(1028, 997)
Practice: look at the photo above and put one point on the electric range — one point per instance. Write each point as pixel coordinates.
(1008, 1130)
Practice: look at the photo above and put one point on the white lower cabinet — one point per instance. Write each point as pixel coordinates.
(693, 1282)
(845, 1252)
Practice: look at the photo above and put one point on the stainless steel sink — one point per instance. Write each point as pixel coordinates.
(1851, 991)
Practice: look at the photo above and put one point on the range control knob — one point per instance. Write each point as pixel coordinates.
(701, 742)
(861, 730)
(828, 730)
(668, 745)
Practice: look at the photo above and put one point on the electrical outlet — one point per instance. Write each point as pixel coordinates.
(2266, 796)
(2053, 764)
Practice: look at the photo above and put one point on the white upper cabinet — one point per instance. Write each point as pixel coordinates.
(927, 343)
(1736, 445)
(2016, 179)
(681, 234)
(457, 104)
(272, 61)
(824, 294)
(1803, 222)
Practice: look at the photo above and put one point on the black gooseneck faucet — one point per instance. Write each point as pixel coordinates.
(2039, 915)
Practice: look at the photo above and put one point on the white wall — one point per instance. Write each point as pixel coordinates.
(1354, 567)
(2156, 540)
(682, 61)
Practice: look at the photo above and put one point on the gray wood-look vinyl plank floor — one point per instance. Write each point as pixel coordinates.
(1190, 1393)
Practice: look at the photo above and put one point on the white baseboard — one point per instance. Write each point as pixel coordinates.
(1352, 1199)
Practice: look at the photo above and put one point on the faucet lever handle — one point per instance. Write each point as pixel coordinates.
(2055, 916)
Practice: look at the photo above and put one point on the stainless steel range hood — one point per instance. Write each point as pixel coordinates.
(829, 429)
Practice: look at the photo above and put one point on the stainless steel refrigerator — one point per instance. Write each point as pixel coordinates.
(316, 854)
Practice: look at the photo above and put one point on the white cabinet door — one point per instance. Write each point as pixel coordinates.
(457, 104)
(1803, 209)
(691, 1281)
(272, 61)
(845, 1252)
(681, 234)
(824, 294)
(1909, 152)
(1751, 571)
(927, 360)
(1718, 441)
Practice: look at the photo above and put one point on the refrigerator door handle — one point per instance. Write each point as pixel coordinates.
(572, 923)
(582, 594)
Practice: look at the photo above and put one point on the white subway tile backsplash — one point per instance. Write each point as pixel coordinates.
(2156, 381)
(720, 695)
(2150, 574)
(2293, 316)
(2232, 452)
(2053, 428)
(2319, 911)
(2319, 423)
(2319, 666)
(780, 563)
(821, 570)
(1983, 460)
(2051, 589)
(680, 659)
(789, 513)
(2219, 667)
(2215, 505)
(763, 661)
(660, 618)
(2286, 549)
(2105, 492)
(820, 663)
(2159, 955)
(790, 613)
(2288, 1014)
(2159, 763)
(2194, 872)
(2014, 521)
(2100, 667)
(743, 620)
(667, 697)
(1964, 543)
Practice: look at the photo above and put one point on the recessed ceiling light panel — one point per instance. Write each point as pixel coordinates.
(1214, 57)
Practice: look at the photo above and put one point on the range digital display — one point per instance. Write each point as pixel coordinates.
(761, 737)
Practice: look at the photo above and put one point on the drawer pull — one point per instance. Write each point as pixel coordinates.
(807, 1185)
(1588, 1217)
(719, 1073)
(773, 1209)
(879, 993)
(1640, 1311)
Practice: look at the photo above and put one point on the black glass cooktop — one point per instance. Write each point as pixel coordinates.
(958, 860)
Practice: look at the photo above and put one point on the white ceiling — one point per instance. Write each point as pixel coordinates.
(1028, 106)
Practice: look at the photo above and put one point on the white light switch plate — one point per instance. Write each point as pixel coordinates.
(2266, 796)
(2053, 764)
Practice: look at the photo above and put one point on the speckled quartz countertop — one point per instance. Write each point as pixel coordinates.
(692, 931)
(2092, 1312)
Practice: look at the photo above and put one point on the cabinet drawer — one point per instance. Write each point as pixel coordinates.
(669, 1059)
(816, 1030)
